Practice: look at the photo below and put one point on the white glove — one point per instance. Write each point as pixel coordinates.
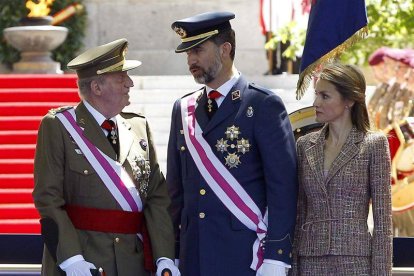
(270, 269)
(165, 263)
(79, 268)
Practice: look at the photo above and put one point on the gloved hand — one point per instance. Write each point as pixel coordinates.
(270, 269)
(79, 268)
(165, 263)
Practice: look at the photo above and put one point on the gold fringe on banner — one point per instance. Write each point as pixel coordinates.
(305, 77)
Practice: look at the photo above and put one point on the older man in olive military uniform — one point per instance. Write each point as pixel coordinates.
(98, 187)
(231, 166)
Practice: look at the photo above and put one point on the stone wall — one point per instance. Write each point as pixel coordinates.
(146, 25)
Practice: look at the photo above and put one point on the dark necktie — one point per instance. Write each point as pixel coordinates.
(211, 103)
(112, 136)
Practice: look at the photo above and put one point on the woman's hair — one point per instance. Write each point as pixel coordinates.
(349, 81)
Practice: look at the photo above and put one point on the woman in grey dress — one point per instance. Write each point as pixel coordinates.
(342, 169)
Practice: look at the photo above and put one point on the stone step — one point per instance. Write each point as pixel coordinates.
(11, 151)
(18, 211)
(16, 181)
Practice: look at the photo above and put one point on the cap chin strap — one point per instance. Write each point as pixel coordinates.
(200, 36)
(110, 68)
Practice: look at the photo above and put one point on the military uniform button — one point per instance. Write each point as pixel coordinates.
(182, 148)
(202, 192)
(116, 240)
(85, 172)
(280, 252)
(202, 215)
(290, 255)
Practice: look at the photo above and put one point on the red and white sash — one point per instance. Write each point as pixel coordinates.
(113, 175)
(221, 181)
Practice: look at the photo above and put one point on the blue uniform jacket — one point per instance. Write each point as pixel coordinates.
(210, 240)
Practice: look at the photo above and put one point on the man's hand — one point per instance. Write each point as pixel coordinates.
(270, 269)
(79, 268)
(166, 267)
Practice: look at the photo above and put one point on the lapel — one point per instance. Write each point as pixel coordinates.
(126, 138)
(200, 112)
(229, 105)
(347, 153)
(92, 131)
(314, 155)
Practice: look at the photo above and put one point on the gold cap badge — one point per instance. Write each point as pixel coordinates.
(180, 31)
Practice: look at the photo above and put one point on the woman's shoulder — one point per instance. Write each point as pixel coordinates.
(375, 137)
(311, 136)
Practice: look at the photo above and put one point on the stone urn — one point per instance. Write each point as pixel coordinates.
(35, 40)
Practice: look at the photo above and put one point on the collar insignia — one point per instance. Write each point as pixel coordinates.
(235, 95)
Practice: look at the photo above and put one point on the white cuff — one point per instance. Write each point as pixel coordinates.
(162, 258)
(279, 263)
(66, 263)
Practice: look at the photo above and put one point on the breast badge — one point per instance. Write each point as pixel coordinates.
(143, 144)
(232, 146)
(141, 171)
(249, 112)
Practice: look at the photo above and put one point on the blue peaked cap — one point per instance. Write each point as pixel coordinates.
(197, 29)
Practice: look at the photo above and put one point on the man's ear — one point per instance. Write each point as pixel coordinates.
(95, 88)
(226, 46)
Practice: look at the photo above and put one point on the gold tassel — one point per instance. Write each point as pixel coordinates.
(305, 77)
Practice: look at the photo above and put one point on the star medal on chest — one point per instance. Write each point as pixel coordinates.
(233, 146)
(141, 171)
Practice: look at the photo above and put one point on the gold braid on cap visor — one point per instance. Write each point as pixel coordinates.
(109, 68)
(200, 36)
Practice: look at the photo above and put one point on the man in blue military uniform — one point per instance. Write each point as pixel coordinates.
(231, 169)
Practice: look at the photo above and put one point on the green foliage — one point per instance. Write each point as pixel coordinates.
(390, 24)
(292, 34)
(11, 11)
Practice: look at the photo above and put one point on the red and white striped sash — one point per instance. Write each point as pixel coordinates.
(113, 175)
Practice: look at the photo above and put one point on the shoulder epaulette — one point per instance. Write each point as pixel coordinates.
(259, 88)
(192, 92)
(53, 111)
(132, 114)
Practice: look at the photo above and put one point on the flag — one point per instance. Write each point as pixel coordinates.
(333, 26)
(275, 14)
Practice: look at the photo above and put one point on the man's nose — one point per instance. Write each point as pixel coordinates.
(191, 59)
(129, 82)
